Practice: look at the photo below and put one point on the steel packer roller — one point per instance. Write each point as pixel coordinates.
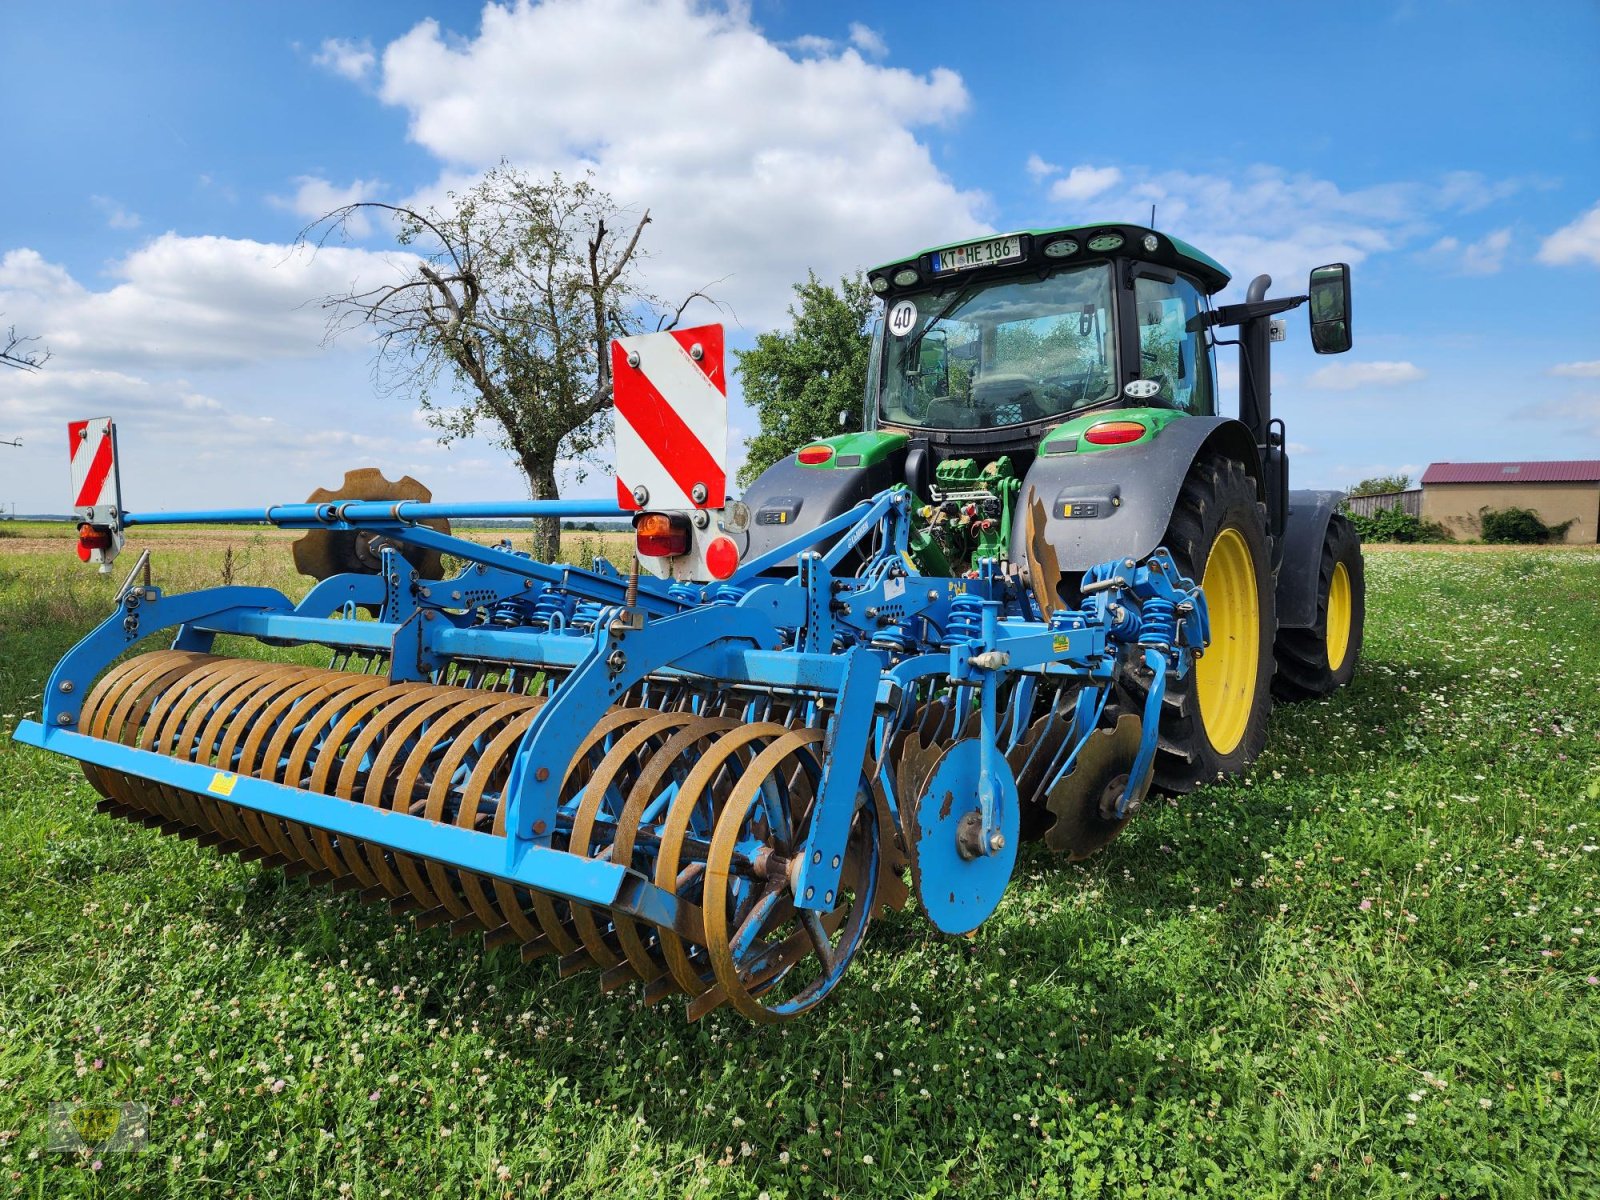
(701, 779)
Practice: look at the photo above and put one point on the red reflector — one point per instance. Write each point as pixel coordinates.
(1114, 433)
(722, 558)
(811, 456)
(656, 535)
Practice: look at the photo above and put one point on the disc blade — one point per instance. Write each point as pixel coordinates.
(1084, 800)
(321, 553)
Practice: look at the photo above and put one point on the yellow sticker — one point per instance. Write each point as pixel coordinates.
(1061, 643)
(222, 783)
(910, 562)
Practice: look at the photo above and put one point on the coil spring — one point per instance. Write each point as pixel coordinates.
(729, 593)
(1158, 622)
(893, 638)
(551, 609)
(966, 620)
(684, 593)
(586, 613)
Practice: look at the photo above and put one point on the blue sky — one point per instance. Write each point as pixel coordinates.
(161, 158)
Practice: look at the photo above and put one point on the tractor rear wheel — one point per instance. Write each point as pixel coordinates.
(1214, 721)
(1314, 662)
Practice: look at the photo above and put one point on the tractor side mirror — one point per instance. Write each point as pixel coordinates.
(1330, 309)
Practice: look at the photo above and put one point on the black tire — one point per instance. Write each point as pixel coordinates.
(1305, 671)
(1217, 495)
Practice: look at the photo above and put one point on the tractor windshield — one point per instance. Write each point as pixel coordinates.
(1003, 352)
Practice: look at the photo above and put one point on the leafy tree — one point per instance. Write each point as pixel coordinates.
(1379, 485)
(799, 381)
(504, 321)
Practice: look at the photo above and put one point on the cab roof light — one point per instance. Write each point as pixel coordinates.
(906, 276)
(660, 535)
(880, 284)
(1114, 433)
(814, 456)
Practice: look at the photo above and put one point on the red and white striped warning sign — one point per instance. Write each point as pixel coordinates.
(672, 419)
(93, 446)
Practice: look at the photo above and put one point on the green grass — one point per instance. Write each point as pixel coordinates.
(1368, 969)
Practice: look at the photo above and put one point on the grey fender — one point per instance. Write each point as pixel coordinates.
(1300, 568)
(789, 499)
(1122, 498)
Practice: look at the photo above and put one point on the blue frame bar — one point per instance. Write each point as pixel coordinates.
(345, 513)
(539, 868)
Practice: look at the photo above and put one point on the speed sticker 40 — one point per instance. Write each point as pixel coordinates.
(902, 318)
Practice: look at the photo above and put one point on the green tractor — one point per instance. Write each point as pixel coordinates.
(1050, 396)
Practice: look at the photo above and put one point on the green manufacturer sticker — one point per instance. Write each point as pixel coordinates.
(1061, 643)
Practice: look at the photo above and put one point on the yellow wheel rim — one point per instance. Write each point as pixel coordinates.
(1338, 617)
(1225, 676)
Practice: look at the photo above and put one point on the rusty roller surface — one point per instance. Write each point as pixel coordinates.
(670, 784)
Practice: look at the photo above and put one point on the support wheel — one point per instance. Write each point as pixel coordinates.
(1214, 721)
(1313, 662)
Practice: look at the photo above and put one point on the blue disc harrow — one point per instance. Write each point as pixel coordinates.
(699, 790)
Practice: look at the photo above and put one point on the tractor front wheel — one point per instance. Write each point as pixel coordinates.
(1314, 662)
(1214, 721)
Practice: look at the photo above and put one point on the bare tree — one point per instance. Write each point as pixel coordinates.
(14, 352)
(518, 288)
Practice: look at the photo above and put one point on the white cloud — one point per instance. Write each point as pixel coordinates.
(346, 57)
(811, 44)
(1574, 243)
(1344, 377)
(315, 197)
(1485, 256)
(1266, 219)
(1039, 170)
(869, 41)
(1578, 415)
(117, 216)
(1469, 191)
(755, 164)
(185, 302)
(184, 444)
(1577, 370)
(1083, 183)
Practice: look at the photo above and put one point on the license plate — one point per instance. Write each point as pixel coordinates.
(988, 253)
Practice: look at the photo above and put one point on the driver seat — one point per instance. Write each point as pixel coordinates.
(1008, 398)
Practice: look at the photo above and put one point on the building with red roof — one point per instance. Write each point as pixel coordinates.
(1453, 494)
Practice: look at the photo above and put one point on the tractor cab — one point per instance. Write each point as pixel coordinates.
(1049, 398)
(986, 345)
